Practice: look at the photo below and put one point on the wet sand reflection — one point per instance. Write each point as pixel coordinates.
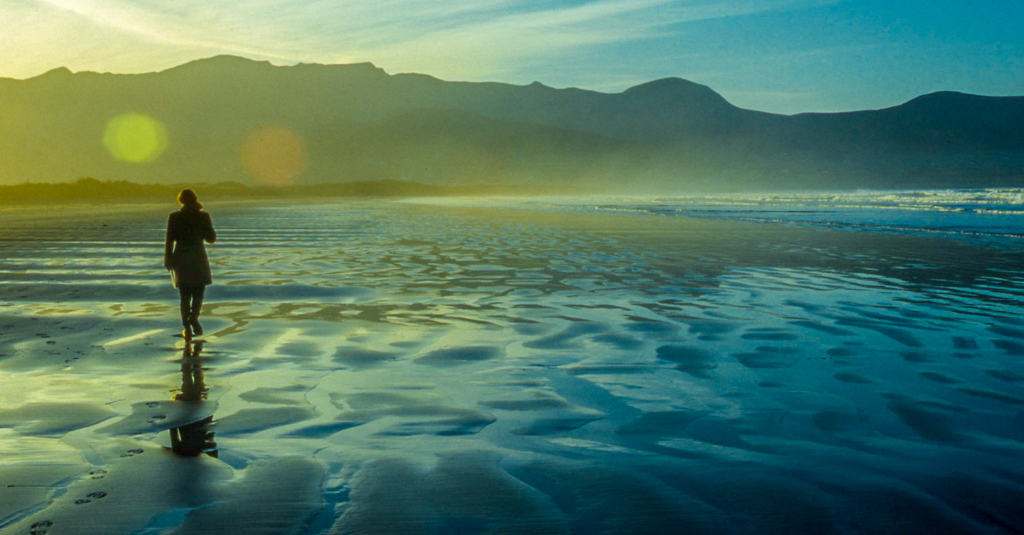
(193, 438)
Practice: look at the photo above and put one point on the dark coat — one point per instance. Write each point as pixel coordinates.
(184, 251)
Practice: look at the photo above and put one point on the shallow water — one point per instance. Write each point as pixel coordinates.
(397, 368)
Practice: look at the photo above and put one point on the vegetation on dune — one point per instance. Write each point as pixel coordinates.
(91, 190)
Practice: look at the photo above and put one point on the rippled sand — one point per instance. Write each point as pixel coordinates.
(396, 368)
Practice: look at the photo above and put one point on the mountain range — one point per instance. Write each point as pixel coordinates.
(345, 123)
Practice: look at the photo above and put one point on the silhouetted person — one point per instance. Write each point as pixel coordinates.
(185, 253)
(193, 439)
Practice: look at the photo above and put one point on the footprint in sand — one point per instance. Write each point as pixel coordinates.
(152, 404)
(98, 495)
(157, 418)
(97, 474)
(39, 528)
(132, 453)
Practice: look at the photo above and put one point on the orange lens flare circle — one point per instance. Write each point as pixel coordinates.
(273, 156)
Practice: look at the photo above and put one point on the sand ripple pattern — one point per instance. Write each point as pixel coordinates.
(382, 368)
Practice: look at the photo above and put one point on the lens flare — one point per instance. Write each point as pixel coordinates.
(134, 137)
(273, 156)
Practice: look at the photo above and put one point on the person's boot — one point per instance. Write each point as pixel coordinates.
(186, 333)
(196, 327)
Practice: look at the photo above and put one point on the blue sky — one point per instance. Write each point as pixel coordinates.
(785, 56)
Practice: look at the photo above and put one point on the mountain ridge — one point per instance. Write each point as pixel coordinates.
(669, 134)
(222, 60)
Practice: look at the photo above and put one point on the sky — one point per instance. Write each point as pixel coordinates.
(783, 56)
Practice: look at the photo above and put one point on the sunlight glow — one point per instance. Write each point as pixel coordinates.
(133, 137)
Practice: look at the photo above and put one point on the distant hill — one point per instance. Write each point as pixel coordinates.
(346, 123)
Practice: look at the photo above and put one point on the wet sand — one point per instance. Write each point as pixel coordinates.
(387, 367)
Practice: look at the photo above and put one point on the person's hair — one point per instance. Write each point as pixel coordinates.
(188, 199)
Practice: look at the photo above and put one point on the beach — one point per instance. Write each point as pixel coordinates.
(384, 366)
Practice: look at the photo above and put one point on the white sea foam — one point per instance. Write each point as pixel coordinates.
(992, 211)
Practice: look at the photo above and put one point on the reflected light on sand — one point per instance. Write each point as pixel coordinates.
(134, 137)
(132, 338)
(273, 156)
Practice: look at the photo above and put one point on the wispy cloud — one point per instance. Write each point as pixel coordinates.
(456, 38)
(188, 25)
(490, 47)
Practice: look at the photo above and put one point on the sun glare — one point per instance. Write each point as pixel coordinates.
(134, 137)
(273, 156)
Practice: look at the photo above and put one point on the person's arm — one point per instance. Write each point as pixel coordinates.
(211, 235)
(169, 245)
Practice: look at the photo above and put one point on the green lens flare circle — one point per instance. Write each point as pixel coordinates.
(134, 137)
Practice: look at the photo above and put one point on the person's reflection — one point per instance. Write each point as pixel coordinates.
(195, 438)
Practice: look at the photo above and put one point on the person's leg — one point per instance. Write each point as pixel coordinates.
(185, 294)
(197, 304)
